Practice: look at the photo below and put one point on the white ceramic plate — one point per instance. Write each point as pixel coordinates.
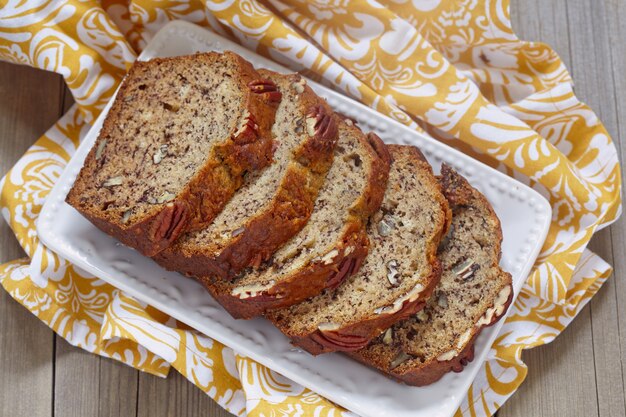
(524, 213)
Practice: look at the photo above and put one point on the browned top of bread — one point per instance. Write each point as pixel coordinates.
(275, 203)
(181, 133)
(334, 235)
(397, 276)
(474, 292)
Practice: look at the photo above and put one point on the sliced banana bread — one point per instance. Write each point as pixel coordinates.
(333, 243)
(398, 275)
(275, 203)
(474, 292)
(180, 136)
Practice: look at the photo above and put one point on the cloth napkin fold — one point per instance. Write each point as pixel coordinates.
(452, 69)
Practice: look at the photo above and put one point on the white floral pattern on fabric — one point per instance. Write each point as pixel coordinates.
(452, 68)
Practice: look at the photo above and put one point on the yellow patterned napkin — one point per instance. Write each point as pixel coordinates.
(454, 69)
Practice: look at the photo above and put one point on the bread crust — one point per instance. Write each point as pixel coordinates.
(287, 213)
(309, 281)
(314, 277)
(431, 371)
(357, 335)
(204, 196)
(459, 193)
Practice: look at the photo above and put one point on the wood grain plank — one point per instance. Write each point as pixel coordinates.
(89, 385)
(174, 396)
(616, 13)
(614, 21)
(591, 57)
(606, 336)
(26, 360)
(26, 344)
(76, 382)
(559, 372)
(118, 389)
(592, 71)
(561, 377)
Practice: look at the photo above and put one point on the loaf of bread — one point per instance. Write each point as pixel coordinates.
(333, 243)
(474, 292)
(175, 146)
(247, 181)
(275, 203)
(396, 278)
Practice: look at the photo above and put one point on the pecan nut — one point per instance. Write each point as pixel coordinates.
(170, 222)
(347, 267)
(263, 297)
(267, 88)
(338, 341)
(410, 300)
(248, 131)
(257, 292)
(320, 124)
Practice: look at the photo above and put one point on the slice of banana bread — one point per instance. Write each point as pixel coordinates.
(180, 136)
(333, 243)
(275, 203)
(396, 278)
(474, 292)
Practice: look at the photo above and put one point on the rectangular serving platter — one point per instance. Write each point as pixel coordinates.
(524, 213)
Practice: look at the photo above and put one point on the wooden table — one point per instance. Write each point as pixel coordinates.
(580, 374)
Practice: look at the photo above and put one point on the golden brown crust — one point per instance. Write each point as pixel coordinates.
(432, 371)
(314, 277)
(380, 175)
(307, 282)
(250, 150)
(358, 335)
(287, 213)
(207, 192)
